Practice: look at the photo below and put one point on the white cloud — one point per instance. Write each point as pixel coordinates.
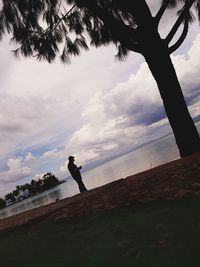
(112, 118)
(30, 158)
(38, 101)
(16, 171)
(195, 108)
(188, 67)
(49, 154)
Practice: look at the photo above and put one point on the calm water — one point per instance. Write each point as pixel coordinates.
(141, 159)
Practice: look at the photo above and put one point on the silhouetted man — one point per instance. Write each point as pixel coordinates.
(75, 173)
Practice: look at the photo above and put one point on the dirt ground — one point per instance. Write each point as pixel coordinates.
(177, 179)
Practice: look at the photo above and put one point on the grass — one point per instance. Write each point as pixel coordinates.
(155, 235)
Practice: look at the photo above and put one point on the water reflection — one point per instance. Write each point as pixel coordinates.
(32, 202)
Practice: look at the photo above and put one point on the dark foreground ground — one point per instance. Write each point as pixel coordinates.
(156, 235)
(151, 219)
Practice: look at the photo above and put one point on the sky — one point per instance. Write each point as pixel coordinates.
(94, 108)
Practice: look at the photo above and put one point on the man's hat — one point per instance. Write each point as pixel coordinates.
(70, 157)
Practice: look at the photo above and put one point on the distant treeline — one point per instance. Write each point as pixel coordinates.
(36, 186)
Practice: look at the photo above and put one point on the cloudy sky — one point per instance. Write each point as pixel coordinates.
(94, 108)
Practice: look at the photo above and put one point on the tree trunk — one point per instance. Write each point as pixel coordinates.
(162, 69)
(156, 53)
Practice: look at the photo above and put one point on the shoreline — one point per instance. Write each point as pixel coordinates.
(176, 179)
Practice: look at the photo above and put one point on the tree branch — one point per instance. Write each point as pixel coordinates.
(118, 28)
(179, 21)
(121, 31)
(59, 21)
(161, 11)
(181, 38)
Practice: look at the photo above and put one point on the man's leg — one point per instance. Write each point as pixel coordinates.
(81, 185)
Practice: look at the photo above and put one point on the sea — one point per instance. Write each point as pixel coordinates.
(148, 156)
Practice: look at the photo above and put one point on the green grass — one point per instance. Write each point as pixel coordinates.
(164, 235)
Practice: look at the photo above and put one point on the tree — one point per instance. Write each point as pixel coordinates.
(49, 180)
(2, 203)
(10, 197)
(44, 28)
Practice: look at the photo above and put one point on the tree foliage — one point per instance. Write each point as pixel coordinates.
(46, 28)
(2, 203)
(49, 180)
(10, 196)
